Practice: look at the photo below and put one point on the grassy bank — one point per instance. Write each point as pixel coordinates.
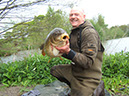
(36, 70)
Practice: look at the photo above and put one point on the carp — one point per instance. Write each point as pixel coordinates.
(56, 38)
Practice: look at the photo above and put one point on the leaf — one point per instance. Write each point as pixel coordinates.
(19, 78)
(6, 84)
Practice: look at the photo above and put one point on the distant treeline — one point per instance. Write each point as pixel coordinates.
(30, 35)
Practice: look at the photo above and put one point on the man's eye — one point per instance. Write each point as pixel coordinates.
(71, 14)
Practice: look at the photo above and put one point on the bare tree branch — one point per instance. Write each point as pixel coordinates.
(10, 6)
(5, 10)
(14, 26)
(23, 5)
(6, 7)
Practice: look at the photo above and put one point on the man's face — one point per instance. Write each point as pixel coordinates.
(76, 17)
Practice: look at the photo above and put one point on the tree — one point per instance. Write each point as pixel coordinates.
(24, 32)
(33, 33)
(125, 28)
(100, 26)
(116, 32)
(10, 7)
(101, 21)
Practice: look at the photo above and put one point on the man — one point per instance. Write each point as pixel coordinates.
(83, 75)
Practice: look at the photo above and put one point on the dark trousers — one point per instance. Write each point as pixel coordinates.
(79, 86)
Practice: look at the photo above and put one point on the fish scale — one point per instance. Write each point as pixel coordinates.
(56, 38)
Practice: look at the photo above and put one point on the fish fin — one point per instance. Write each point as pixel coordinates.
(43, 53)
(60, 58)
(49, 60)
(42, 46)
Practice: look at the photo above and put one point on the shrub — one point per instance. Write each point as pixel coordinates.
(36, 70)
(115, 71)
(114, 65)
(32, 70)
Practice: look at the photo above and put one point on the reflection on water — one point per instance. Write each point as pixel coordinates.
(117, 45)
(19, 56)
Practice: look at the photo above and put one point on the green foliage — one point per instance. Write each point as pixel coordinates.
(101, 21)
(114, 65)
(31, 71)
(116, 32)
(100, 26)
(117, 85)
(115, 73)
(125, 28)
(36, 70)
(106, 33)
(31, 35)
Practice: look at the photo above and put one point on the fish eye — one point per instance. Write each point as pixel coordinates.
(64, 37)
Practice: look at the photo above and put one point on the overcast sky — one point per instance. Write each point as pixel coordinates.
(115, 12)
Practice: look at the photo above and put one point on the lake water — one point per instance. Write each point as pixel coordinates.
(19, 55)
(111, 47)
(117, 45)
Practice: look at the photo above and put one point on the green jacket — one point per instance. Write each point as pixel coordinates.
(88, 63)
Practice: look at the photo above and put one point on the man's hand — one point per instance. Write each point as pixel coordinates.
(64, 49)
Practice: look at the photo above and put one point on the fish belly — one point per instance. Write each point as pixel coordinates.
(55, 51)
(52, 52)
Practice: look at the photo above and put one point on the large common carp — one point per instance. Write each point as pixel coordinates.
(56, 38)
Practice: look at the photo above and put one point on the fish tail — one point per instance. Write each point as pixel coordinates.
(43, 53)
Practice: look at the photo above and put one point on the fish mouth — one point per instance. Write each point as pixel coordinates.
(64, 37)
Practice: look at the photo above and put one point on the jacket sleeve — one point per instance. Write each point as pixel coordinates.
(89, 47)
(70, 55)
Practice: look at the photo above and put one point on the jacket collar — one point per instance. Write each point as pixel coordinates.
(84, 25)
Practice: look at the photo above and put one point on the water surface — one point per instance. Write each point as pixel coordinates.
(116, 45)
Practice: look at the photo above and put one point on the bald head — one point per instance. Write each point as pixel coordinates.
(78, 9)
(76, 16)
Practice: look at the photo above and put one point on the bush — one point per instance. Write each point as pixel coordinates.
(32, 70)
(116, 73)
(36, 70)
(114, 65)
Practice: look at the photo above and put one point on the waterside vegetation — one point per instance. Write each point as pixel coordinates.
(36, 70)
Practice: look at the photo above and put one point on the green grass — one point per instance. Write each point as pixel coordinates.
(36, 70)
